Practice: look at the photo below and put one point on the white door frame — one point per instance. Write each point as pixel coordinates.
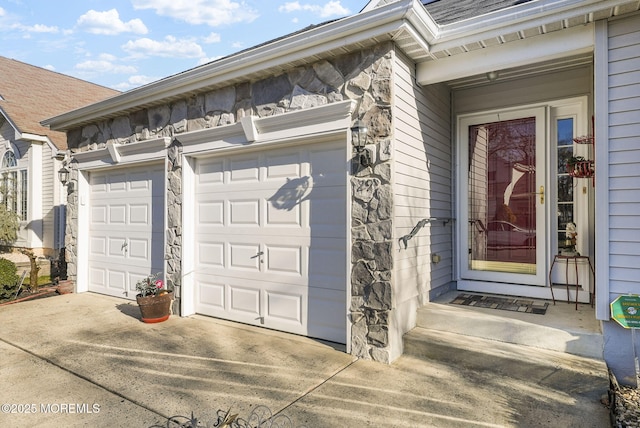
(113, 155)
(505, 284)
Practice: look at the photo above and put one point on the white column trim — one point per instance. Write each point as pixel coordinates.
(34, 203)
(601, 112)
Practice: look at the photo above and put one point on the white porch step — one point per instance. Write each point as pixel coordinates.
(563, 330)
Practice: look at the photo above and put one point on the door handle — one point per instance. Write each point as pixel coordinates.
(541, 195)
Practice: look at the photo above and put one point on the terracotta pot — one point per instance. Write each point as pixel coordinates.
(155, 308)
(64, 287)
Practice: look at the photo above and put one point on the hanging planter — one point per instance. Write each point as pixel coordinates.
(579, 167)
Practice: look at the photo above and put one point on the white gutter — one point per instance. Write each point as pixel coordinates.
(33, 137)
(513, 19)
(351, 30)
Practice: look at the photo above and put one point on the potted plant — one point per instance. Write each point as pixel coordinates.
(579, 167)
(153, 299)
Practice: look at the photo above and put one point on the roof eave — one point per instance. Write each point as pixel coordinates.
(386, 20)
(516, 18)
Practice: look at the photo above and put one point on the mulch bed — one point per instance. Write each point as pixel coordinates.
(39, 293)
(624, 404)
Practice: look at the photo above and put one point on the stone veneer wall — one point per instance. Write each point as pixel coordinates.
(365, 76)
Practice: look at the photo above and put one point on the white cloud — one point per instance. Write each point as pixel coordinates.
(49, 67)
(39, 28)
(109, 23)
(210, 12)
(134, 81)
(332, 8)
(212, 38)
(104, 66)
(169, 47)
(2, 12)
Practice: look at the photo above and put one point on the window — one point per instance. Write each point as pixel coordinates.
(565, 181)
(13, 185)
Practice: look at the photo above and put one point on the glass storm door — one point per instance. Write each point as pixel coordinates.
(503, 197)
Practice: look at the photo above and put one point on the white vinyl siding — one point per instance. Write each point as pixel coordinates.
(422, 185)
(624, 155)
(48, 207)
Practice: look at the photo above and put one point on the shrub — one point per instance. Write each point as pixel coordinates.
(8, 279)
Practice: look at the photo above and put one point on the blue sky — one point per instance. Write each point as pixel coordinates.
(123, 44)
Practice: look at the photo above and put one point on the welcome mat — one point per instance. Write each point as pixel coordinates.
(504, 303)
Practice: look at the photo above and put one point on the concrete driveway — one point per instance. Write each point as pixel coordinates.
(87, 360)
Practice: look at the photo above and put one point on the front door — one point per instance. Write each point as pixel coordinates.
(513, 206)
(503, 186)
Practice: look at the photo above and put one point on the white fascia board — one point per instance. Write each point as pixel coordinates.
(576, 40)
(350, 30)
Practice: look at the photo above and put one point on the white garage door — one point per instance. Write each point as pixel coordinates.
(270, 239)
(126, 228)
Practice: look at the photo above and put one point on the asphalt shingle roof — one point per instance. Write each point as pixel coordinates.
(449, 11)
(30, 94)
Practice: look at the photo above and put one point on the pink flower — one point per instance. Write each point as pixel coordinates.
(158, 283)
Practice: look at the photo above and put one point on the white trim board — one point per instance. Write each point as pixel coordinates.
(574, 41)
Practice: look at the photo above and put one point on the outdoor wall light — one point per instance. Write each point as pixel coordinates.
(63, 175)
(359, 141)
(492, 75)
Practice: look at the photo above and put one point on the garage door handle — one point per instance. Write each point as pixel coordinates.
(124, 247)
(258, 255)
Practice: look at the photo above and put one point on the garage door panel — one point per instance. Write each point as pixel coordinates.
(98, 246)
(210, 171)
(138, 249)
(244, 257)
(211, 254)
(277, 216)
(261, 227)
(139, 214)
(280, 167)
(327, 262)
(286, 260)
(211, 297)
(327, 314)
(244, 170)
(244, 212)
(117, 214)
(328, 167)
(210, 213)
(126, 228)
(284, 307)
(98, 215)
(327, 209)
(116, 247)
(244, 301)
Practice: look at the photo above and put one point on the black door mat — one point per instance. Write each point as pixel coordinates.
(504, 303)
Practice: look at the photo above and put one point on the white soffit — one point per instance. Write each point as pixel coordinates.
(559, 44)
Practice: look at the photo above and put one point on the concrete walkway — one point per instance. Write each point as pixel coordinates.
(87, 360)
